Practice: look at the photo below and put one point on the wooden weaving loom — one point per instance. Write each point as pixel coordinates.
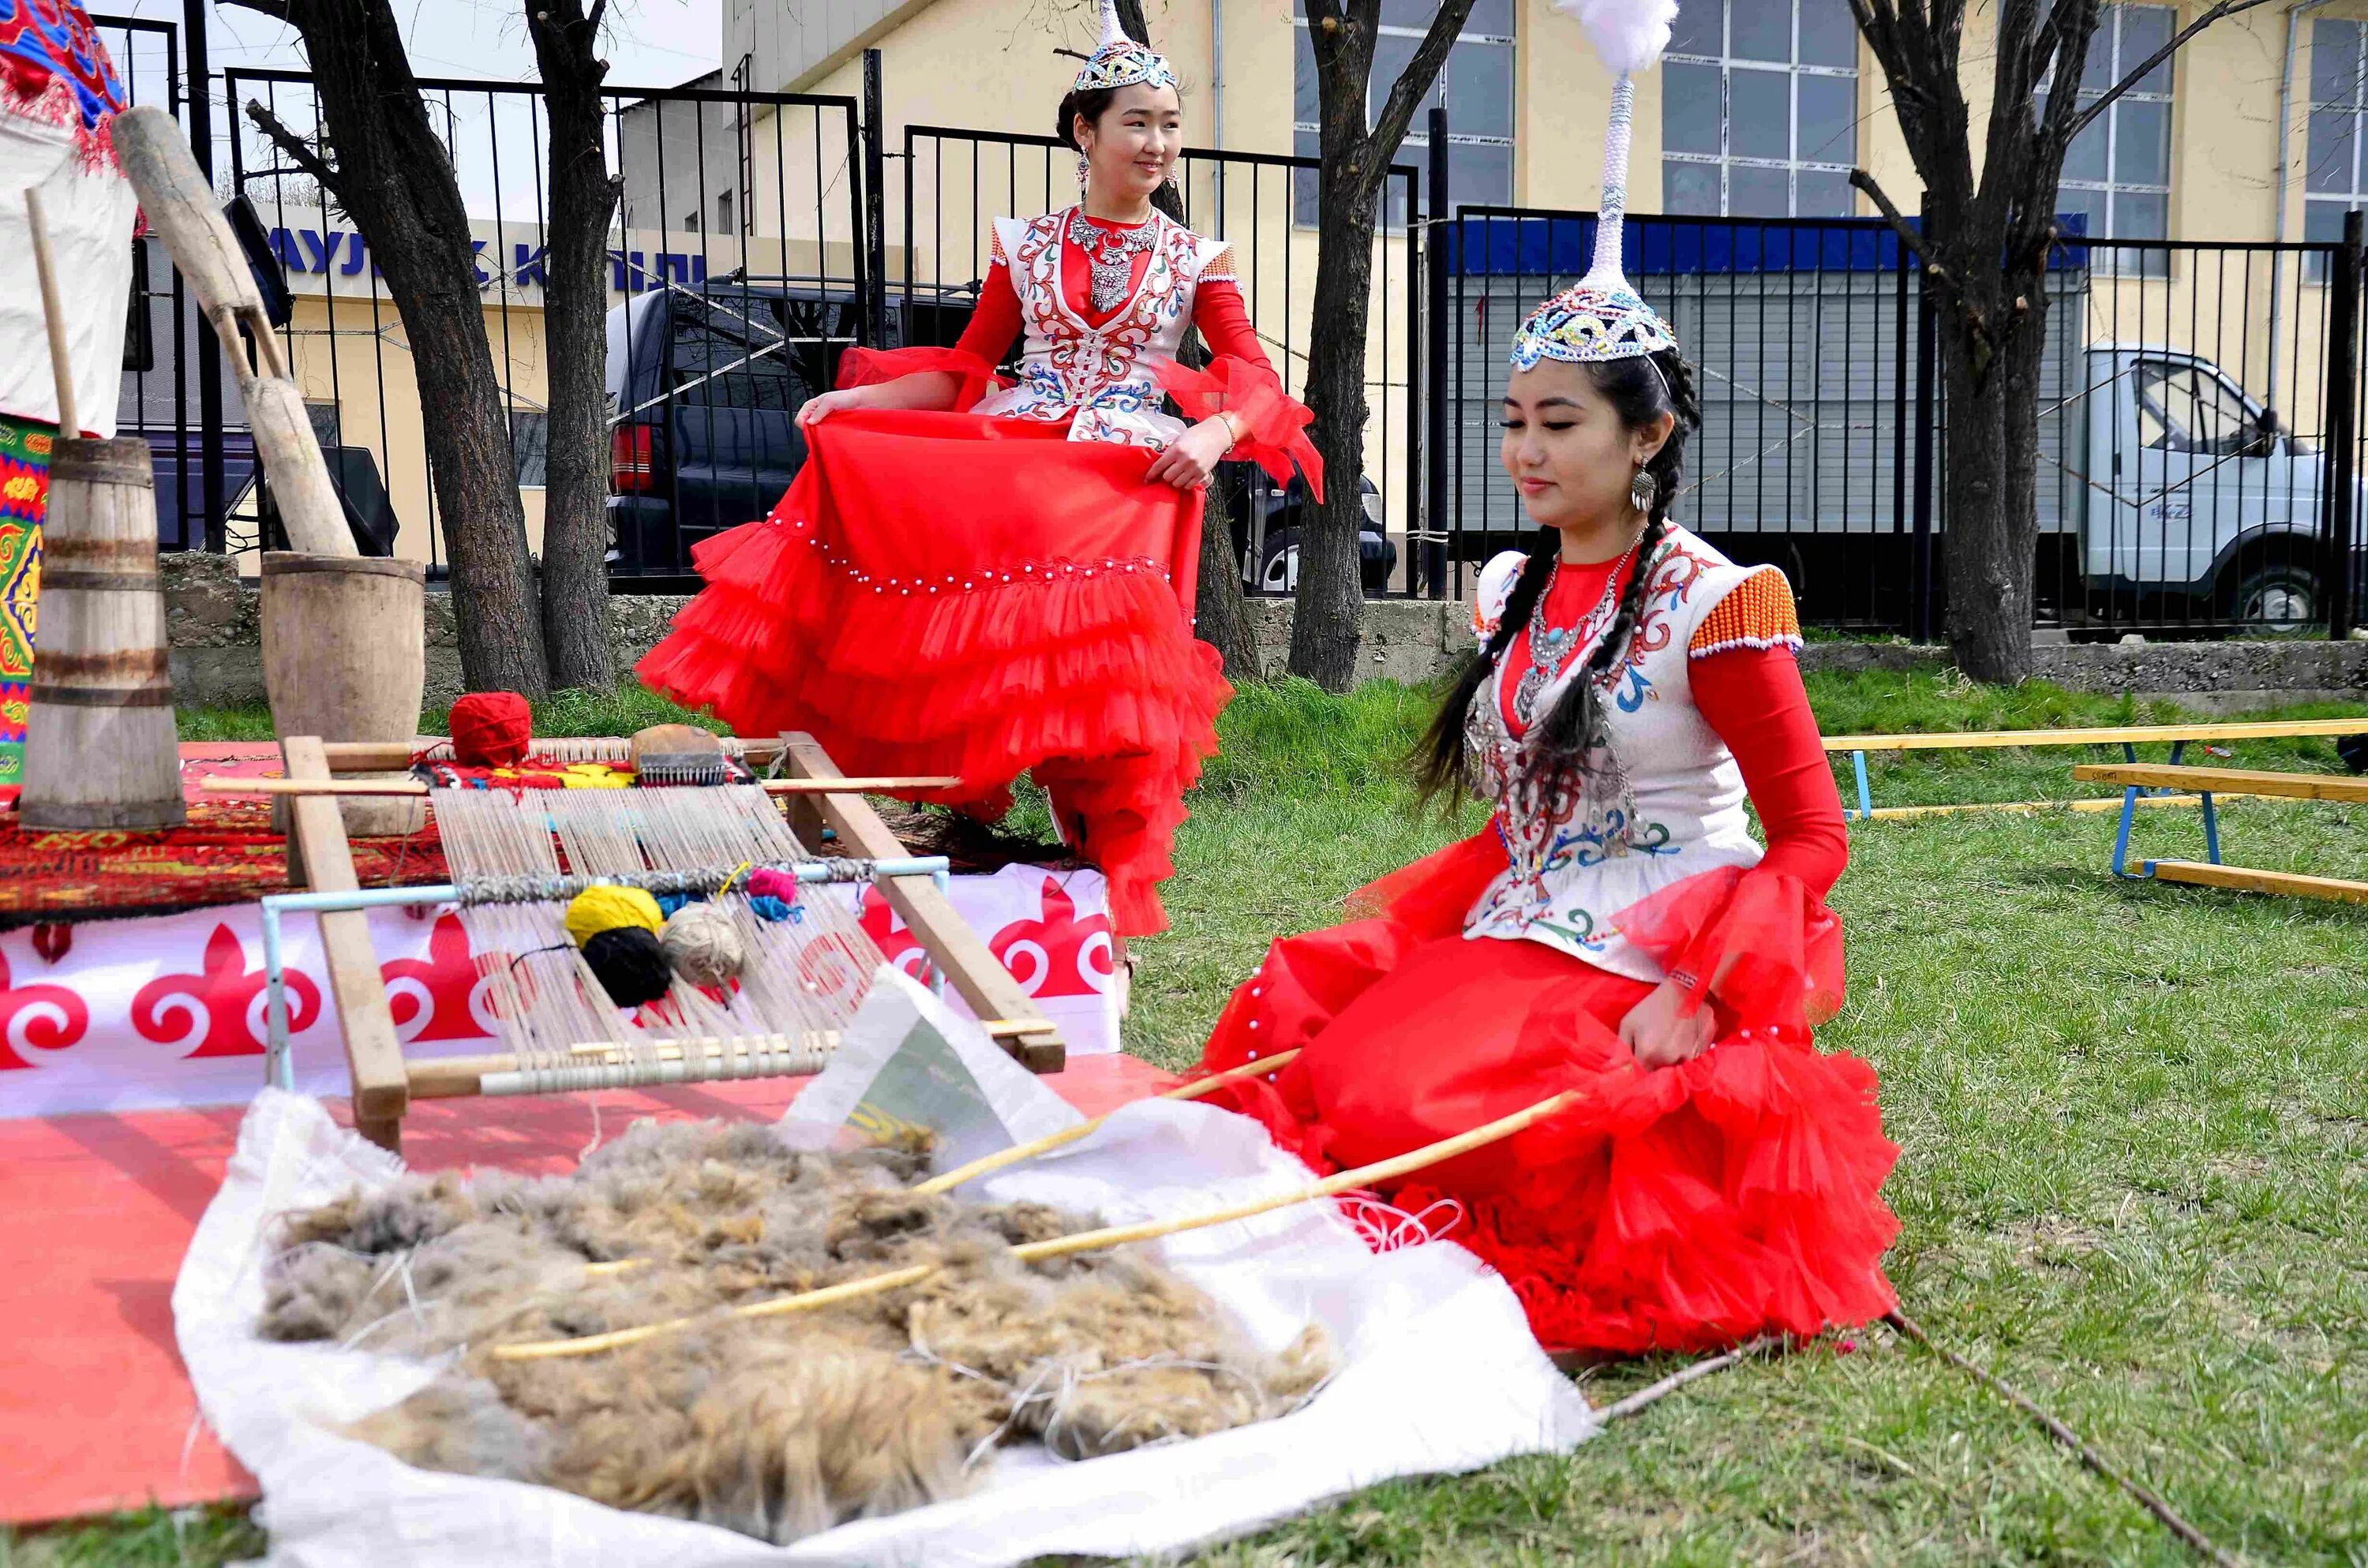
(706, 1044)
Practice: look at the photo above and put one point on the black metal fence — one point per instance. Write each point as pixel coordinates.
(738, 268)
(2198, 470)
(2198, 453)
(957, 181)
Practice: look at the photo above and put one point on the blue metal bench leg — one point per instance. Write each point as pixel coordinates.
(2122, 839)
(2211, 829)
(1865, 796)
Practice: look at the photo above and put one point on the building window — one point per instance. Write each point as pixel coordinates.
(723, 213)
(2335, 182)
(1760, 110)
(529, 445)
(2118, 172)
(1475, 87)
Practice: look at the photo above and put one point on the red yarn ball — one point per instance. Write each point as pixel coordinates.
(492, 729)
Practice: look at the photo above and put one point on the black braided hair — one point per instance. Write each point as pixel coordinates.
(1639, 390)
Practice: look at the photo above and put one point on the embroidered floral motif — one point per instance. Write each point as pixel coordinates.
(1073, 367)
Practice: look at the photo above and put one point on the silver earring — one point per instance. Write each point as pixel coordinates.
(1082, 166)
(1643, 491)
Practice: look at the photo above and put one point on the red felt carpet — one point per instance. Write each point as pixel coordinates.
(95, 1412)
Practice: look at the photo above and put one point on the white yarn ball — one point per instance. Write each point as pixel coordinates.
(703, 944)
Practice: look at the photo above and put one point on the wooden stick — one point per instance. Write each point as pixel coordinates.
(216, 784)
(54, 312)
(1684, 1375)
(2195, 1539)
(1063, 1246)
(1067, 1135)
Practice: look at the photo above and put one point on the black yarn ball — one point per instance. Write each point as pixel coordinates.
(2353, 750)
(630, 965)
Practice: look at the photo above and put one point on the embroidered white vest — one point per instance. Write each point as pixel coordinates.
(1107, 377)
(1670, 808)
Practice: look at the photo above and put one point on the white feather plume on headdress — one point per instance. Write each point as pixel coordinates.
(1601, 316)
(1628, 34)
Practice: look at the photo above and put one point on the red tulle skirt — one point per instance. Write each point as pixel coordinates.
(1677, 1209)
(949, 594)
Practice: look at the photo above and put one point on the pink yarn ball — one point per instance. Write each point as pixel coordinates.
(769, 882)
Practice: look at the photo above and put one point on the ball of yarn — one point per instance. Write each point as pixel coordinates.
(492, 729)
(595, 910)
(630, 964)
(668, 903)
(766, 882)
(770, 910)
(703, 944)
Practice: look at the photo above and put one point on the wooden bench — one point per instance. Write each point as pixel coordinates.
(2136, 778)
(2129, 737)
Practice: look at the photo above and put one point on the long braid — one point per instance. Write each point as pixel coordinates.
(1439, 761)
(1564, 741)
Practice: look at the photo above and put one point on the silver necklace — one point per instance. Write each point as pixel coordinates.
(1113, 258)
(1551, 646)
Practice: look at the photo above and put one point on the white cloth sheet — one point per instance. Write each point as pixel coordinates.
(1437, 1372)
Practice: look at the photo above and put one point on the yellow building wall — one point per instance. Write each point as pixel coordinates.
(342, 355)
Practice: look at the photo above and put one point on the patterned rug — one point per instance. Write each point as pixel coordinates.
(226, 854)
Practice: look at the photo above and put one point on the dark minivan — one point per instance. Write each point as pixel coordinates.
(704, 386)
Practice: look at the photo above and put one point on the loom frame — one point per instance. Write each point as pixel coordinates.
(385, 1082)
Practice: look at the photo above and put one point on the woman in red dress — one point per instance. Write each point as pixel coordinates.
(1616, 930)
(982, 580)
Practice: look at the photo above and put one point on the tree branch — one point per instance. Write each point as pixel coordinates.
(2224, 8)
(293, 145)
(1908, 234)
(1398, 113)
(281, 10)
(592, 25)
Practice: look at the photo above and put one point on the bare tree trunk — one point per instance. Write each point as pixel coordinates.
(1992, 335)
(1326, 622)
(394, 178)
(576, 337)
(1220, 617)
(1357, 143)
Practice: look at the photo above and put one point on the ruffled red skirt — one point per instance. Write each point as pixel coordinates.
(949, 594)
(1677, 1209)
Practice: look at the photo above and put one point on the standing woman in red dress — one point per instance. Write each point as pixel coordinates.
(982, 580)
(1616, 930)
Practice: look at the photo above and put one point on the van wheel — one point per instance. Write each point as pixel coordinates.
(2277, 598)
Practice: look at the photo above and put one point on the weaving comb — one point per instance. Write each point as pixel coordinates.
(678, 754)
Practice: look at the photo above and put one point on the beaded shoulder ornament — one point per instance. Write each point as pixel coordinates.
(1601, 317)
(1120, 62)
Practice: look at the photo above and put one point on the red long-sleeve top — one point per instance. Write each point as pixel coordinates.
(1754, 701)
(1239, 379)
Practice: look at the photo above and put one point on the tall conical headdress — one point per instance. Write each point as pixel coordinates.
(1122, 63)
(1601, 317)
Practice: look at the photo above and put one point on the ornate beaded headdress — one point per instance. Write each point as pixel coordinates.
(1121, 62)
(1601, 316)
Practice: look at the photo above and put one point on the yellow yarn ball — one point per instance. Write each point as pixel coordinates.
(595, 910)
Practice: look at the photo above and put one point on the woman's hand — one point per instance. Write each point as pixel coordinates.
(1193, 456)
(822, 405)
(1661, 1032)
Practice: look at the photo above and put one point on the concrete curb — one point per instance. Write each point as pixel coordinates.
(210, 621)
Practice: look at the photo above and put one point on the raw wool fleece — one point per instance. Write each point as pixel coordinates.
(777, 1428)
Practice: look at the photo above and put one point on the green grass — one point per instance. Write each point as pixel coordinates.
(2134, 1130)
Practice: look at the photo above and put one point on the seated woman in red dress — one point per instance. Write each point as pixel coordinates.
(1615, 930)
(980, 580)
